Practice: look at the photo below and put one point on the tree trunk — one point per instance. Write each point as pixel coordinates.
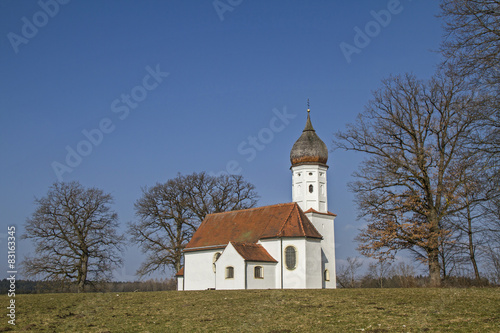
(434, 269)
(472, 254)
(82, 273)
(433, 251)
(178, 249)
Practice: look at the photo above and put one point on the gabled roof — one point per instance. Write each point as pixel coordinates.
(250, 225)
(180, 272)
(253, 252)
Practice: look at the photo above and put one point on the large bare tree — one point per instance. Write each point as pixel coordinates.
(169, 213)
(415, 135)
(471, 46)
(74, 230)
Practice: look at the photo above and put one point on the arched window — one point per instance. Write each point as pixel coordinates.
(215, 258)
(326, 275)
(229, 272)
(311, 189)
(290, 257)
(258, 272)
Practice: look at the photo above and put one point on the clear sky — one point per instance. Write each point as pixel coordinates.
(162, 87)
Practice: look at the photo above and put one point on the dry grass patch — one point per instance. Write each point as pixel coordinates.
(342, 310)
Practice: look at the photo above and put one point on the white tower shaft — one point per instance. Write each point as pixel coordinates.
(309, 187)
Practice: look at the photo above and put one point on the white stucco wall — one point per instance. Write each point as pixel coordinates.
(230, 257)
(273, 246)
(302, 177)
(314, 265)
(325, 225)
(180, 283)
(308, 273)
(269, 277)
(198, 271)
(296, 278)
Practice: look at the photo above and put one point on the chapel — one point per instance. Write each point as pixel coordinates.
(282, 246)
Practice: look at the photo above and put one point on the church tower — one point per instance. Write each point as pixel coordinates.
(309, 156)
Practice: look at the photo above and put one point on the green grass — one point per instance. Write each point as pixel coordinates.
(341, 310)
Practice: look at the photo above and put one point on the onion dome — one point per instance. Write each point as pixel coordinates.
(309, 148)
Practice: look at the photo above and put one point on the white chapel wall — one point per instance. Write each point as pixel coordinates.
(296, 278)
(273, 247)
(198, 270)
(230, 257)
(314, 277)
(268, 280)
(325, 224)
(180, 283)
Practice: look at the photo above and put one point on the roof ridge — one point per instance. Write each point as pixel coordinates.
(301, 223)
(236, 248)
(245, 243)
(252, 208)
(286, 220)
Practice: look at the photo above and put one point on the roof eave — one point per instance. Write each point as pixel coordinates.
(205, 248)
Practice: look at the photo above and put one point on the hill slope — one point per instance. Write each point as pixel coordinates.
(342, 310)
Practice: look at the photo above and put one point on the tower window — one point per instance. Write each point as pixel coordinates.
(290, 257)
(229, 272)
(311, 189)
(310, 173)
(258, 272)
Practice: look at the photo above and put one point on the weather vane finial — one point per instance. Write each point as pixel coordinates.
(308, 109)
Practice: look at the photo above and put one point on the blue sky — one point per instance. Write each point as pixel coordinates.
(164, 87)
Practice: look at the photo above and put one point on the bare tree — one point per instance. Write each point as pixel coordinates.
(472, 38)
(209, 194)
(471, 47)
(169, 213)
(491, 246)
(405, 274)
(380, 271)
(415, 135)
(165, 225)
(74, 230)
(347, 274)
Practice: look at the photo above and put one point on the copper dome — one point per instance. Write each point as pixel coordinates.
(309, 148)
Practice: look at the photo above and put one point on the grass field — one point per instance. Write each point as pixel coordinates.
(342, 310)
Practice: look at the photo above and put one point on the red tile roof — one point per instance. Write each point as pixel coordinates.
(253, 252)
(310, 210)
(250, 225)
(180, 272)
